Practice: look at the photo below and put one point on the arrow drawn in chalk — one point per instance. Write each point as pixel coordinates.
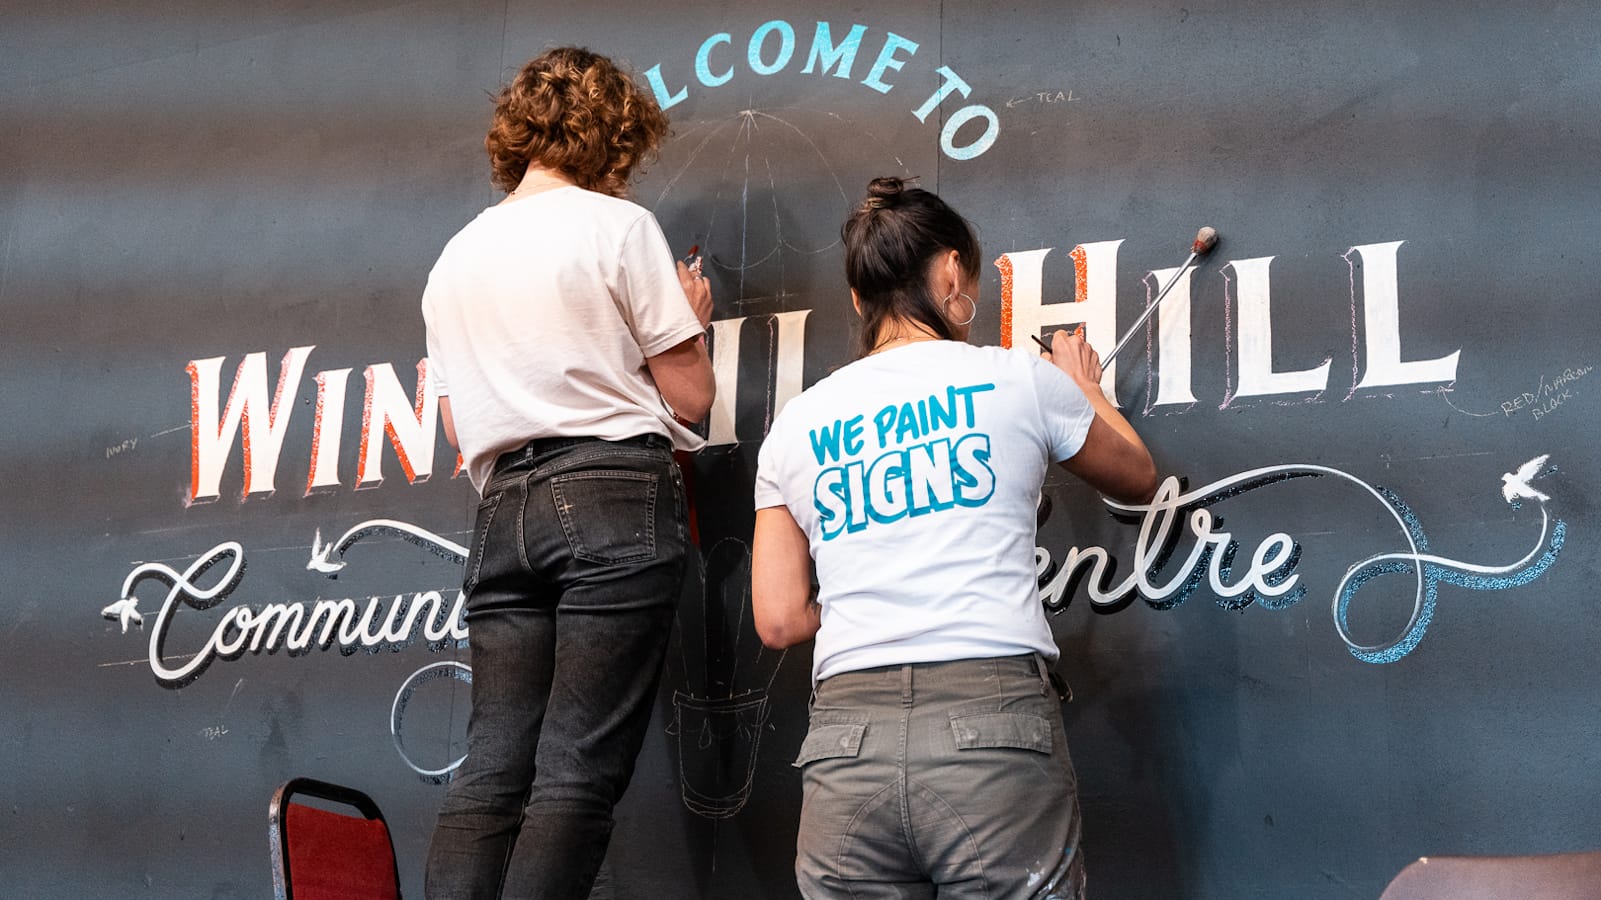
(330, 558)
(1445, 394)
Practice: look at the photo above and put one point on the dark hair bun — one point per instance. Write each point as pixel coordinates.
(884, 192)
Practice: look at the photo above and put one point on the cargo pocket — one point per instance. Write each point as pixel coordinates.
(832, 737)
(1022, 731)
(609, 516)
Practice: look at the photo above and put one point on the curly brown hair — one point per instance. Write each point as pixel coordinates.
(576, 112)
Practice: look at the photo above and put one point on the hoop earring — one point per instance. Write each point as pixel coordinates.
(972, 306)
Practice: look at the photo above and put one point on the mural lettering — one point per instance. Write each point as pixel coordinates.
(258, 420)
(771, 49)
(924, 458)
(1024, 311)
(1269, 579)
(296, 627)
(260, 424)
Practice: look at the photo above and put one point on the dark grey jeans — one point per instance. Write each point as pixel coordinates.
(947, 780)
(577, 561)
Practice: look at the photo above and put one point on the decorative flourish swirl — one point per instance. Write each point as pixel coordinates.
(1427, 569)
(1430, 570)
(182, 587)
(321, 554)
(454, 669)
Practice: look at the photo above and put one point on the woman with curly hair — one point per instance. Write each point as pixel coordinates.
(935, 762)
(566, 352)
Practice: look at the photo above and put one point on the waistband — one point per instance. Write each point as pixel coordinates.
(903, 673)
(541, 447)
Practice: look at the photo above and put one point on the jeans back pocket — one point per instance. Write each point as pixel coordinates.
(608, 515)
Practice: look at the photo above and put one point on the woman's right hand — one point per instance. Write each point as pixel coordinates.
(1112, 458)
(1074, 356)
(699, 293)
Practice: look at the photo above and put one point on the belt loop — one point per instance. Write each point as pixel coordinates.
(1052, 681)
(906, 685)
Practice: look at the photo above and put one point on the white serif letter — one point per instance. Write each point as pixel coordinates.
(1094, 304)
(1256, 338)
(212, 437)
(1173, 383)
(1381, 318)
(786, 343)
(410, 426)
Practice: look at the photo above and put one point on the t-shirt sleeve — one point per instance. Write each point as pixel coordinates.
(649, 295)
(437, 382)
(1065, 413)
(767, 476)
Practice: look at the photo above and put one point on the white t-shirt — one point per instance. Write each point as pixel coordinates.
(540, 314)
(915, 473)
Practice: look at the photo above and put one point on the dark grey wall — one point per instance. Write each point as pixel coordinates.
(183, 181)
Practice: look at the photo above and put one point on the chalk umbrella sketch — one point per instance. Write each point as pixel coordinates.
(719, 718)
(1270, 580)
(754, 217)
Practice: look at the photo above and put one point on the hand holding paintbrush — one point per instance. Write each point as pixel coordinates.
(696, 289)
(1205, 240)
(692, 261)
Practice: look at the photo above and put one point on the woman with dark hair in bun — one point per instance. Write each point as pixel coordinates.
(935, 762)
(566, 348)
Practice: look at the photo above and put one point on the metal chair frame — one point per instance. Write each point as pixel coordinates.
(278, 836)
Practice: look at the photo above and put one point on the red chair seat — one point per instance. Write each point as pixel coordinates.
(338, 857)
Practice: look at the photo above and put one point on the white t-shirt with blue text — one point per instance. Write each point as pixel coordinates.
(915, 473)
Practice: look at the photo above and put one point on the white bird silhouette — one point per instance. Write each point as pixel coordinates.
(320, 554)
(126, 609)
(1516, 484)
